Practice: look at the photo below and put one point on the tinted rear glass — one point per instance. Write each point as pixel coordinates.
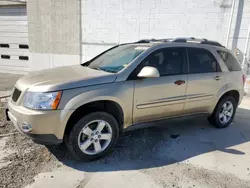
(230, 61)
(201, 61)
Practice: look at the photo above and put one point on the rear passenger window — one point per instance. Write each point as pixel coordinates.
(201, 61)
(230, 61)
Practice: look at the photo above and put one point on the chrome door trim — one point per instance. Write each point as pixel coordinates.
(174, 100)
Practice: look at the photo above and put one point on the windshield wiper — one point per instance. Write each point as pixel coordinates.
(103, 69)
(107, 70)
(95, 68)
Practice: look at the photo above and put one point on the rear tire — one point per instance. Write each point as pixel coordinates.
(224, 112)
(93, 136)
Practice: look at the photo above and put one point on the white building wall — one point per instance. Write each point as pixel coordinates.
(109, 22)
(54, 33)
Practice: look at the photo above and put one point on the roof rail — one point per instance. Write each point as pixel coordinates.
(154, 40)
(182, 39)
(144, 41)
(201, 41)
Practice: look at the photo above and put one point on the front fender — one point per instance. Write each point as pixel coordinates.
(90, 96)
(120, 93)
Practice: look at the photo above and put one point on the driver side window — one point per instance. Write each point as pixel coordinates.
(168, 61)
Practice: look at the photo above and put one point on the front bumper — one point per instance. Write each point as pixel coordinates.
(47, 127)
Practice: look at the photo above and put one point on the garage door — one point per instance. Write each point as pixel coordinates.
(14, 49)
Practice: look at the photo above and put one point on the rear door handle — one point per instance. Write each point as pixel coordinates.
(217, 78)
(179, 82)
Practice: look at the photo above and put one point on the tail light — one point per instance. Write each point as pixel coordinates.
(244, 79)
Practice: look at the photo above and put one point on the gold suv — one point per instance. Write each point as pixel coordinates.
(88, 106)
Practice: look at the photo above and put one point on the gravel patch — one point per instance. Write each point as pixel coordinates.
(26, 160)
(5, 126)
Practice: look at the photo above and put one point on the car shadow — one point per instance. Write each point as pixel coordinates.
(167, 143)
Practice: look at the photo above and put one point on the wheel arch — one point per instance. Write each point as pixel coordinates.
(109, 106)
(234, 93)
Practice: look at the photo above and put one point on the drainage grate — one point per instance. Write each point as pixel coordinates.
(23, 57)
(23, 46)
(5, 56)
(14, 52)
(4, 45)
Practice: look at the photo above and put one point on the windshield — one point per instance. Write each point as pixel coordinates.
(118, 58)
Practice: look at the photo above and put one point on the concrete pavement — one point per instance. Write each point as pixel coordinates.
(201, 156)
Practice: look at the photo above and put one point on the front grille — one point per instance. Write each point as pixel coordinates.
(16, 94)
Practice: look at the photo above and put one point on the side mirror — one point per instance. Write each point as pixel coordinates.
(148, 72)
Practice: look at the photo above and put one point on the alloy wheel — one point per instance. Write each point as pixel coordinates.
(95, 137)
(226, 112)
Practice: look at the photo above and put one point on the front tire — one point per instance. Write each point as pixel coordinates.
(224, 113)
(93, 136)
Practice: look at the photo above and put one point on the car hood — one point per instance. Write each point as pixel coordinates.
(61, 78)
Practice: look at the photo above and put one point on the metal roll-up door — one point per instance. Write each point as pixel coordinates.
(14, 49)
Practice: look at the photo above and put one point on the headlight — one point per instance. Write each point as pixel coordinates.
(43, 101)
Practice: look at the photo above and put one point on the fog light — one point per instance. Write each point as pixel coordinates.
(26, 127)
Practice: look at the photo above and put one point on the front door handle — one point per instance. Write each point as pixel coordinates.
(217, 78)
(179, 82)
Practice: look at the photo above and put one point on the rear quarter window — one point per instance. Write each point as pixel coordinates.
(230, 61)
